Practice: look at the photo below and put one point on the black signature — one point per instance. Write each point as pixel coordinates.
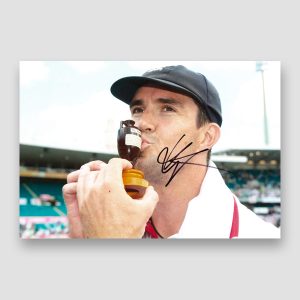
(174, 163)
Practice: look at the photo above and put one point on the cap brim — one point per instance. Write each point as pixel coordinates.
(125, 88)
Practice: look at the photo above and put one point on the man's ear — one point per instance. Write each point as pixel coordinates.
(210, 136)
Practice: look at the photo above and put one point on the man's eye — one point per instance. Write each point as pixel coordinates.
(168, 108)
(136, 110)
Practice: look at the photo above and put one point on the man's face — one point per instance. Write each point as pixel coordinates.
(163, 117)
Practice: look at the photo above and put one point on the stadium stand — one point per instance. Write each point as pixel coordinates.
(259, 190)
(44, 197)
(43, 172)
(40, 199)
(255, 179)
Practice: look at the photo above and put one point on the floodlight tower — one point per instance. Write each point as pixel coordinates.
(260, 67)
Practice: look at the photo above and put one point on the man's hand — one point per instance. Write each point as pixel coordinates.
(69, 194)
(105, 209)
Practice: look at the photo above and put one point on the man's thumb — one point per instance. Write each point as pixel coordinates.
(150, 197)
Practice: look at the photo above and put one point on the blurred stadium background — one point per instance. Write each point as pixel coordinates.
(43, 173)
(68, 117)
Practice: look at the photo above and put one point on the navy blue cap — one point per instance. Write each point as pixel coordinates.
(177, 79)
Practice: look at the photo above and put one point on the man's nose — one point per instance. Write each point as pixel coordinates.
(146, 123)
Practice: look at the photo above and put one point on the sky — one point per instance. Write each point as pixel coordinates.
(68, 104)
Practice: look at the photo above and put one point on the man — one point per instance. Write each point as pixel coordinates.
(179, 114)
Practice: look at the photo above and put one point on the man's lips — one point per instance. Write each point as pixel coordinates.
(145, 144)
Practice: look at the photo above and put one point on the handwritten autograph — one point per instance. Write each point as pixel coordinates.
(175, 163)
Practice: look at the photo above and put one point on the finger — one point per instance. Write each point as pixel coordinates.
(73, 176)
(69, 192)
(69, 189)
(99, 176)
(81, 184)
(92, 178)
(75, 226)
(94, 166)
(150, 200)
(113, 172)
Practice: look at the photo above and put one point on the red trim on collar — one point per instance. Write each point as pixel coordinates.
(235, 221)
(150, 230)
